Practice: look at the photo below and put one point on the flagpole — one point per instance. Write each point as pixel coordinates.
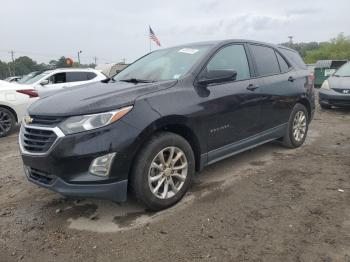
(149, 37)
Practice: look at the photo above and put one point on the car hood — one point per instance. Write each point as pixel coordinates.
(339, 82)
(94, 98)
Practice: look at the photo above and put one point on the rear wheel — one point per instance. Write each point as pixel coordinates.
(297, 127)
(7, 121)
(163, 171)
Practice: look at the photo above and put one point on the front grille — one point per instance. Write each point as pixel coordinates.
(37, 140)
(342, 91)
(46, 120)
(41, 176)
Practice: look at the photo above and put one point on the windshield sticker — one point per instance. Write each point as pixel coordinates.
(188, 51)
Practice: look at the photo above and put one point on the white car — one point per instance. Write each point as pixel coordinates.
(14, 101)
(52, 81)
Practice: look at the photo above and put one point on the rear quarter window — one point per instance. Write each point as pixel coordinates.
(294, 58)
(91, 75)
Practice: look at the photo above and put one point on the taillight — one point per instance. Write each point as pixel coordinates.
(30, 92)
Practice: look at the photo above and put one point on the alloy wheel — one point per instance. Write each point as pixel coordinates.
(168, 172)
(299, 126)
(5, 122)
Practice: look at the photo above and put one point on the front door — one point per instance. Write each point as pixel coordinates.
(233, 109)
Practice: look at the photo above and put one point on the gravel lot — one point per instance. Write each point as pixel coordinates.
(267, 204)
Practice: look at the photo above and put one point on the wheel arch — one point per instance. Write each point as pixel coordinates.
(11, 110)
(176, 125)
(305, 102)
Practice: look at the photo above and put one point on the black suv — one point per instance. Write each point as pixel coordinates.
(169, 114)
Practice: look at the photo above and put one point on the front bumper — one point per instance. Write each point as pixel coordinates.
(64, 168)
(115, 191)
(333, 98)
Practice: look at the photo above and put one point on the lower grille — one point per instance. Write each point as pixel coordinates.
(339, 102)
(41, 176)
(37, 140)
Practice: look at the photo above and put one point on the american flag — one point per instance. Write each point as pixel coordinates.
(153, 37)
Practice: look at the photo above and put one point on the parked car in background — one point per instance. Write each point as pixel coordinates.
(170, 113)
(111, 69)
(51, 81)
(13, 79)
(14, 101)
(25, 78)
(324, 68)
(335, 91)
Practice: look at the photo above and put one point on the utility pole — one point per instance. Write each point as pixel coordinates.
(124, 61)
(13, 63)
(95, 59)
(290, 39)
(79, 52)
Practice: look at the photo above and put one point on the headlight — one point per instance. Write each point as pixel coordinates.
(325, 85)
(76, 124)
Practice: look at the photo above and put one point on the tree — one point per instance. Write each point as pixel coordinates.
(337, 49)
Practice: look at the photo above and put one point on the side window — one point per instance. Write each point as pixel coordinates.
(76, 76)
(232, 57)
(265, 60)
(282, 62)
(91, 75)
(58, 78)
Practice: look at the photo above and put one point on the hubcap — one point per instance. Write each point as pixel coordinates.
(168, 172)
(299, 126)
(5, 122)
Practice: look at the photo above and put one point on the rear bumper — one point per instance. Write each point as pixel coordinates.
(332, 98)
(115, 191)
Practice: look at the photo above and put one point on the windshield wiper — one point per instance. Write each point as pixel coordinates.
(136, 81)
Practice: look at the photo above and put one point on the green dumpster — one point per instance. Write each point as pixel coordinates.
(324, 68)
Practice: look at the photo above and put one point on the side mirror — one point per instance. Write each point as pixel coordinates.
(217, 76)
(44, 82)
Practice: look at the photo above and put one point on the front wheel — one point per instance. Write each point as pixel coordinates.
(7, 122)
(297, 127)
(163, 171)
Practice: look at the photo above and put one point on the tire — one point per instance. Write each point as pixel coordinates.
(291, 139)
(148, 167)
(7, 121)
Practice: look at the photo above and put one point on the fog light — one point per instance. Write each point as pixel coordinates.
(101, 166)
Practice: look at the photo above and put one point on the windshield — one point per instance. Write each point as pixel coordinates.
(164, 64)
(36, 78)
(24, 79)
(343, 70)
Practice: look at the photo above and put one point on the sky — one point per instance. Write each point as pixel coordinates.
(113, 30)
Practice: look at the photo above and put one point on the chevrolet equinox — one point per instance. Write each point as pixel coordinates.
(174, 111)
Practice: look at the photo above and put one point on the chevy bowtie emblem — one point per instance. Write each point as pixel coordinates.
(28, 120)
(346, 91)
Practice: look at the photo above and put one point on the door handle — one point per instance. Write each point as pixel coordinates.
(291, 79)
(252, 87)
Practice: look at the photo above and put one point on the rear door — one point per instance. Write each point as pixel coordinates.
(277, 85)
(232, 111)
(77, 78)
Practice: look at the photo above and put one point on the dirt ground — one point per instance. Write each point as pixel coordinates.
(267, 204)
